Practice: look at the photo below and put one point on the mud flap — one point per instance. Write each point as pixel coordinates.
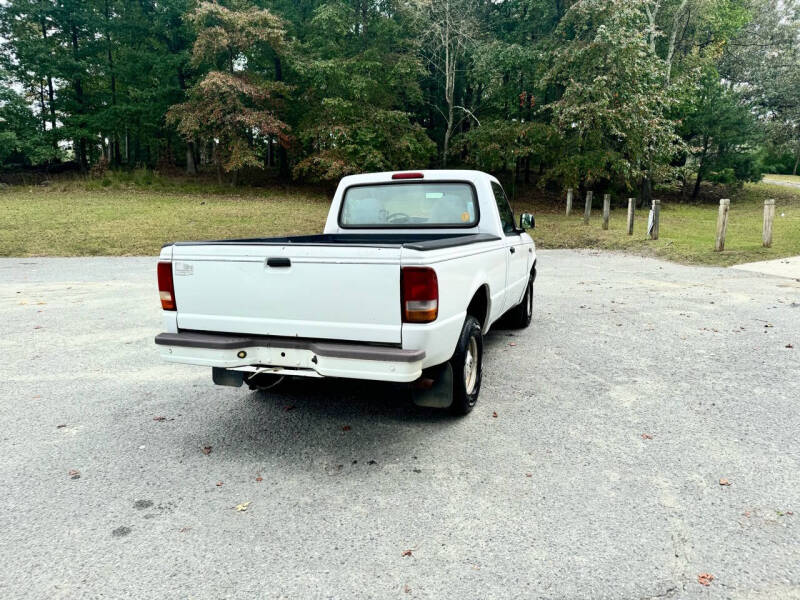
(440, 393)
(227, 377)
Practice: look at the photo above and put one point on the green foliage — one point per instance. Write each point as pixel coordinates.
(497, 146)
(22, 140)
(721, 131)
(587, 93)
(358, 70)
(611, 112)
(351, 139)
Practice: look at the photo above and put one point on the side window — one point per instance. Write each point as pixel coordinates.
(503, 207)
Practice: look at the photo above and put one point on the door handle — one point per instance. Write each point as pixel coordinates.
(512, 249)
(279, 262)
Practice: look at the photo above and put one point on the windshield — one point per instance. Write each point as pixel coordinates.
(411, 204)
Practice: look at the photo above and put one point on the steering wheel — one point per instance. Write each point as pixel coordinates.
(398, 218)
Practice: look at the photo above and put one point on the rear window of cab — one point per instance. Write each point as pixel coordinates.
(409, 205)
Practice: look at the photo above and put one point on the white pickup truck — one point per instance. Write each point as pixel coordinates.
(411, 272)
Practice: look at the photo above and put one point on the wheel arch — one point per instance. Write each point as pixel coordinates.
(480, 305)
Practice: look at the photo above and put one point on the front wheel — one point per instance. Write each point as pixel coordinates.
(467, 364)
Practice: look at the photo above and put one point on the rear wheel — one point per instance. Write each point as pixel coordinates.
(520, 316)
(467, 364)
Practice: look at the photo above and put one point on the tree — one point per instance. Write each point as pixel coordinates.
(611, 112)
(721, 131)
(28, 55)
(763, 59)
(357, 72)
(232, 105)
(23, 142)
(451, 29)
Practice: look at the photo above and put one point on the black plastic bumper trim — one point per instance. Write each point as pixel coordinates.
(215, 341)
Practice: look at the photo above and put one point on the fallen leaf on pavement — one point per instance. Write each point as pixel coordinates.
(647, 436)
(159, 418)
(184, 529)
(407, 552)
(346, 428)
(243, 506)
(259, 479)
(494, 414)
(789, 346)
(61, 426)
(528, 474)
(724, 482)
(512, 344)
(206, 449)
(705, 579)
(74, 474)
(219, 484)
(406, 589)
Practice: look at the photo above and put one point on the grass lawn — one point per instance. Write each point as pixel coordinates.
(69, 221)
(784, 178)
(137, 217)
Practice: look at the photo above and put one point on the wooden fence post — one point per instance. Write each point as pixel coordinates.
(588, 210)
(630, 215)
(769, 217)
(656, 210)
(569, 201)
(606, 209)
(722, 224)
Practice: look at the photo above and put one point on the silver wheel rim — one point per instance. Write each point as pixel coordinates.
(471, 366)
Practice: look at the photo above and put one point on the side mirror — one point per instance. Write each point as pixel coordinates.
(526, 221)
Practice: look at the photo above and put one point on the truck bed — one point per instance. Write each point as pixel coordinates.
(413, 241)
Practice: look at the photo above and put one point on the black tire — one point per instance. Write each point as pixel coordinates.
(520, 316)
(467, 376)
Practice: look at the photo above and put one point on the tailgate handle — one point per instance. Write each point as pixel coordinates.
(279, 261)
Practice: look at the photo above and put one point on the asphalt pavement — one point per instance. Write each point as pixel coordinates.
(644, 431)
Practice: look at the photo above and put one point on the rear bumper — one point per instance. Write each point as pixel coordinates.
(292, 356)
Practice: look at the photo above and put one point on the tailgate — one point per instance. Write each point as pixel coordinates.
(330, 292)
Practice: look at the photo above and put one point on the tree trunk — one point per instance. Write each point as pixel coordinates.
(696, 190)
(191, 168)
(283, 156)
(448, 132)
(78, 86)
(700, 168)
(113, 150)
(42, 112)
(796, 164)
(645, 192)
(50, 94)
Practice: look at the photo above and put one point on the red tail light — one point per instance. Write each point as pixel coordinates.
(420, 294)
(408, 176)
(166, 289)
